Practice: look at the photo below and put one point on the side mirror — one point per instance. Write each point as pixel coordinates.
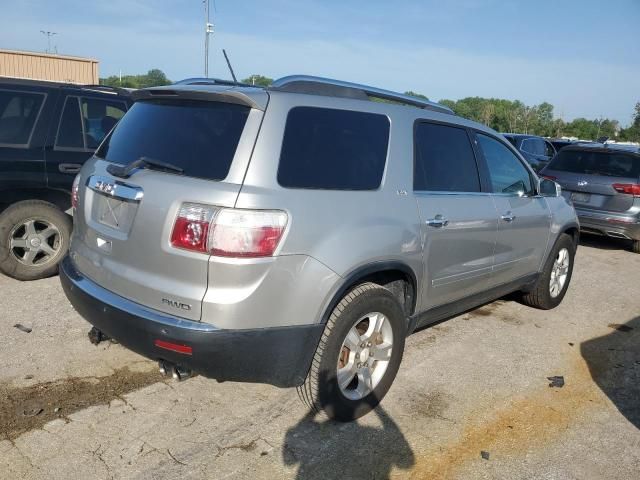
(549, 188)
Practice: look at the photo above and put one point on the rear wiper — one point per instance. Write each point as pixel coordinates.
(124, 171)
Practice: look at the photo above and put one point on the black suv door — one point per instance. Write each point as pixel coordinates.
(85, 117)
(25, 111)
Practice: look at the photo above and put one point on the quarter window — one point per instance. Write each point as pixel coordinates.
(70, 134)
(444, 160)
(18, 114)
(333, 149)
(506, 171)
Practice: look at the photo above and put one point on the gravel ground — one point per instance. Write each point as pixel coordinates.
(472, 399)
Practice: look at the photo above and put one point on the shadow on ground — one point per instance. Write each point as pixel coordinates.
(604, 243)
(614, 363)
(326, 449)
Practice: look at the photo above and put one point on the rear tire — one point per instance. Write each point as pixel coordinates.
(371, 364)
(635, 246)
(34, 237)
(552, 284)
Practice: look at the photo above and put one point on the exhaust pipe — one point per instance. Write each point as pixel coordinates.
(178, 373)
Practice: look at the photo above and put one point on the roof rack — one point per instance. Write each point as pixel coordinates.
(337, 88)
(107, 88)
(211, 81)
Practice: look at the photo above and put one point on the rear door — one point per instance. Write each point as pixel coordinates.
(459, 220)
(523, 216)
(84, 119)
(123, 237)
(24, 115)
(588, 176)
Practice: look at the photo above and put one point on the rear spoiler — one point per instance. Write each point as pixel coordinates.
(257, 100)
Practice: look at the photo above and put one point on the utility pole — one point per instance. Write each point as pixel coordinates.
(208, 30)
(49, 35)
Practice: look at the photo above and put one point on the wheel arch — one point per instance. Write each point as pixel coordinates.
(396, 276)
(59, 198)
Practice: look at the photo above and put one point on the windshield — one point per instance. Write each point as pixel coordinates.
(610, 164)
(198, 136)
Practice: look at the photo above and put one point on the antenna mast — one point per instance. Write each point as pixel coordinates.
(208, 30)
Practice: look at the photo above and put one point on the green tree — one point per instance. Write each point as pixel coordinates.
(417, 95)
(153, 78)
(258, 80)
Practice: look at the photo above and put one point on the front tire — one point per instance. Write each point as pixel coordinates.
(358, 355)
(552, 284)
(34, 237)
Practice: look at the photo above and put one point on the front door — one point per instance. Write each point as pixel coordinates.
(459, 221)
(523, 216)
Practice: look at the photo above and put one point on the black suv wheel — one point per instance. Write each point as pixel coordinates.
(34, 237)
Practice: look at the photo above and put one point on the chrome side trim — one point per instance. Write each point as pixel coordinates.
(115, 188)
(120, 303)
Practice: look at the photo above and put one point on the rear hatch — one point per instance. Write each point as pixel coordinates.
(594, 178)
(195, 148)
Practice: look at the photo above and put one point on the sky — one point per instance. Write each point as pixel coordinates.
(583, 56)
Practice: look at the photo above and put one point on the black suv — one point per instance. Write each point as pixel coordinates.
(47, 131)
(535, 150)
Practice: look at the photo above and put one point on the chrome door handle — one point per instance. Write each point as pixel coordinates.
(438, 222)
(508, 217)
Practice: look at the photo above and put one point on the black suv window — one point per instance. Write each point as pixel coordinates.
(85, 121)
(333, 149)
(18, 114)
(610, 164)
(70, 133)
(198, 136)
(507, 173)
(444, 160)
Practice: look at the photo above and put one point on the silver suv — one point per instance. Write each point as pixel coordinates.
(295, 235)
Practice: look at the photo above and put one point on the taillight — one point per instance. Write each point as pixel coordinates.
(628, 188)
(191, 228)
(74, 192)
(550, 177)
(228, 232)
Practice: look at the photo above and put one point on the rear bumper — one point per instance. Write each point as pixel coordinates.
(609, 224)
(278, 356)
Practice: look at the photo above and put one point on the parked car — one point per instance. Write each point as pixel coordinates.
(559, 143)
(47, 131)
(603, 182)
(290, 236)
(535, 150)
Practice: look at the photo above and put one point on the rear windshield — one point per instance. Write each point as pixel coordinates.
(610, 164)
(199, 137)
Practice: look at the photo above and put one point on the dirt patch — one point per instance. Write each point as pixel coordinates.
(25, 408)
(525, 423)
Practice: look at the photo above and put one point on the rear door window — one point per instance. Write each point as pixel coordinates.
(444, 160)
(610, 164)
(534, 146)
(18, 114)
(506, 171)
(333, 149)
(200, 137)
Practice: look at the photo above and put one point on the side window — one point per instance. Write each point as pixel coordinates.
(18, 114)
(99, 117)
(333, 149)
(70, 133)
(444, 160)
(529, 145)
(507, 173)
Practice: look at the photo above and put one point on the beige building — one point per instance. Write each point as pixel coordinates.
(46, 66)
